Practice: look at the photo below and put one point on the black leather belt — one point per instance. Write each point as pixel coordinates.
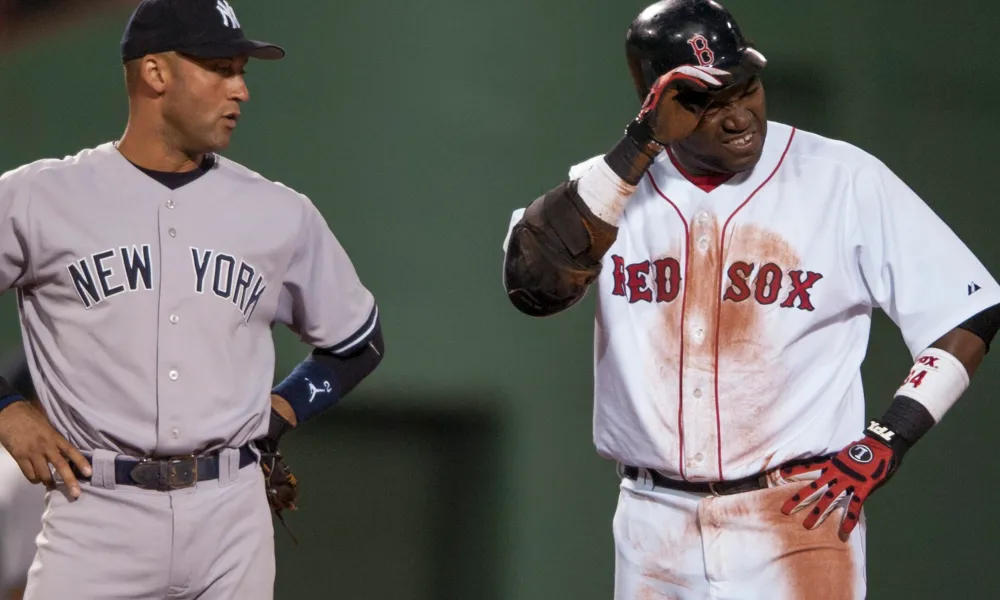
(712, 488)
(170, 473)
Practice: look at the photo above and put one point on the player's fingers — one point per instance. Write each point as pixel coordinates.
(806, 495)
(81, 462)
(65, 473)
(704, 77)
(42, 471)
(831, 499)
(804, 468)
(28, 470)
(852, 515)
(720, 73)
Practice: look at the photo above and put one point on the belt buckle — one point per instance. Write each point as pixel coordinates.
(711, 488)
(165, 475)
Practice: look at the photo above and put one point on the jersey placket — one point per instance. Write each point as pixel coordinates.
(171, 392)
(699, 417)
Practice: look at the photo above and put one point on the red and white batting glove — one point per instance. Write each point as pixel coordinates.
(676, 102)
(850, 475)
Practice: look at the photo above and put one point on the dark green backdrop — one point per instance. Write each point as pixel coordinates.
(464, 467)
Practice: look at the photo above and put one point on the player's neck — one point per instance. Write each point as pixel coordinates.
(151, 150)
(703, 179)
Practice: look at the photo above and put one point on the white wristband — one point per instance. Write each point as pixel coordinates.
(604, 192)
(936, 381)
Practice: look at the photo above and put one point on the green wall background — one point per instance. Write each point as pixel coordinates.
(417, 128)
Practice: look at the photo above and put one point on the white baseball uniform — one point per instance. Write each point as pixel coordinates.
(147, 314)
(730, 330)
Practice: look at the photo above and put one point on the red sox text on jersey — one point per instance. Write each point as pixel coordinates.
(660, 281)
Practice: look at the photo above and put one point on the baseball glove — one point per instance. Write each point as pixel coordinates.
(280, 484)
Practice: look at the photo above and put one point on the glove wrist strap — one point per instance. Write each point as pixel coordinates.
(632, 156)
(277, 427)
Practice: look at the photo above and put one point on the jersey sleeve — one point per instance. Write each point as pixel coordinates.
(915, 267)
(13, 231)
(322, 299)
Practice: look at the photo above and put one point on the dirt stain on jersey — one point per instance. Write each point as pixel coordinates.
(751, 372)
(751, 375)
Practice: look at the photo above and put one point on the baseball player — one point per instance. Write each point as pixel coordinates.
(21, 503)
(149, 274)
(736, 263)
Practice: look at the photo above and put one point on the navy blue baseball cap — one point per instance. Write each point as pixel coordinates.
(200, 28)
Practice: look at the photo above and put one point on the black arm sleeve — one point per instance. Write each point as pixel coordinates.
(984, 324)
(6, 389)
(350, 369)
(554, 252)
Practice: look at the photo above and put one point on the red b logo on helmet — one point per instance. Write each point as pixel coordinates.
(702, 52)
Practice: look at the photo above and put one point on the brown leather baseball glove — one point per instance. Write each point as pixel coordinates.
(280, 484)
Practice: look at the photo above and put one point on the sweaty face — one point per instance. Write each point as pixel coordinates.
(202, 101)
(730, 136)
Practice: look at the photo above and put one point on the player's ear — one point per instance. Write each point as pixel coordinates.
(156, 71)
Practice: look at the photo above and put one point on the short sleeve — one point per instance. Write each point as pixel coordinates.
(13, 230)
(915, 267)
(322, 299)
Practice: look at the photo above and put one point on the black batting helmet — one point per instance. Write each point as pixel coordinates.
(672, 33)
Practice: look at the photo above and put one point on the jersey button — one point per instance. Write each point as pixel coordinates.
(172, 232)
(699, 334)
(703, 217)
(173, 375)
(174, 319)
(703, 244)
(697, 393)
(698, 458)
(174, 433)
(170, 204)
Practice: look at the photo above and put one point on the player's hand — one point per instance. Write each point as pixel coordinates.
(34, 444)
(677, 100)
(851, 475)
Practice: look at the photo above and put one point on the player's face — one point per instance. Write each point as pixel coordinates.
(730, 136)
(203, 104)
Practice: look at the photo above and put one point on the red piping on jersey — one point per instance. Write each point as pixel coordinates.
(680, 360)
(718, 312)
(705, 183)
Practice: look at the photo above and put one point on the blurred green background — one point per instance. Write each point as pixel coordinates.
(463, 468)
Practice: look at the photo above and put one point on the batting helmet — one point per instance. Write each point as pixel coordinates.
(672, 33)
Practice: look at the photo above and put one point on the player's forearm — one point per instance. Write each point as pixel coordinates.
(322, 380)
(938, 379)
(555, 252)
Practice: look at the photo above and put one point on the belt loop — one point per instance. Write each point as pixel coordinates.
(229, 466)
(102, 464)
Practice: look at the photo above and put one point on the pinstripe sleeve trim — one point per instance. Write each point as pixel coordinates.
(358, 337)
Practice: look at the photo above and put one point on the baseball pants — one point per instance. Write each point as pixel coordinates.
(673, 545)
(214, 541)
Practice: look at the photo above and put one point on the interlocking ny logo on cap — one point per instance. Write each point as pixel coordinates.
(228, 14)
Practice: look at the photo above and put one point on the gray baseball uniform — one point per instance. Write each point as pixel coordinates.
(21, 505)
(147, 315)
